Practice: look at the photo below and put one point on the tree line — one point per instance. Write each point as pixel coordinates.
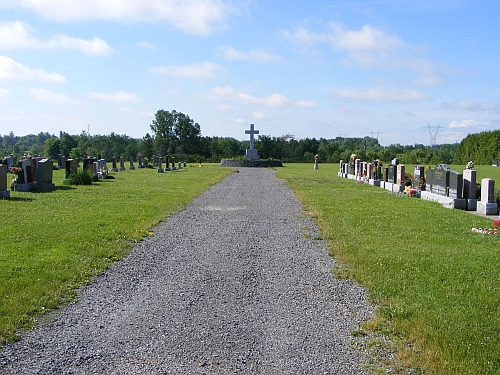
(176, 134)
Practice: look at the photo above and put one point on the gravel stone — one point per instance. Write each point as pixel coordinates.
(230, 285)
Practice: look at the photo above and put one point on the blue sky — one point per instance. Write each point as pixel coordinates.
(310, 69)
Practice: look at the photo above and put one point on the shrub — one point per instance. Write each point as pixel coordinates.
(81, 178)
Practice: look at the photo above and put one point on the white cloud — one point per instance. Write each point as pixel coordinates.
(44, 95)
(96, 46)
(192, 16)
(239, 120)
(466, 124)
(193, 71)
(272, 100)
(3, 93)
(381, 94)
(119, 96)
(259, 116)
(471, 106)
(256, 55)
(370, 48)
(224, 107)
(11, 70)
(15, 35)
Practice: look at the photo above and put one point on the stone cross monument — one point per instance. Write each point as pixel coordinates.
(251, 153)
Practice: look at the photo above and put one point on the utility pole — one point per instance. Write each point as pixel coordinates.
(433, 132)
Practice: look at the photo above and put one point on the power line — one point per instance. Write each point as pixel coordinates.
(433, 132)
(375, 134)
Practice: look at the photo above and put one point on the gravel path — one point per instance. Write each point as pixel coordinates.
(229, 285)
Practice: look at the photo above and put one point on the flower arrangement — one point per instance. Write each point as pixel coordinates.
(470, 165)
(13, 183)
(353, 157)
(14, 170)
(496, 230)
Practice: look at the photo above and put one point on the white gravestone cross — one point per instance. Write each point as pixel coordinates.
(251, 153)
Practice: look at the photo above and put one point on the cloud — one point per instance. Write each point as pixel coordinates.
(192, 16)
(466, 124)
(471, 106)
(381, 94)
(259, 116)
(239, 120)
(194, 71)
(272, 100)
(16, 35)
(370, 48)
(224, 107)
(44, 95)
(4, 93)
(119, 96)
(11, 70)
(256, 55)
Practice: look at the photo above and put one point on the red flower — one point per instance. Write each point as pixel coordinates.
(496, 224)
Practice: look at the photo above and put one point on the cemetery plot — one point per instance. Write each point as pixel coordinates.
(439, 184)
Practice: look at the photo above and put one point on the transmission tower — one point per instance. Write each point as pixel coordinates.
(433, 132)
(375, 134)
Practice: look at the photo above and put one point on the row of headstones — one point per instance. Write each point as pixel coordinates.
(33, 174)
(394, 173)
(440, 181)
(99, 166)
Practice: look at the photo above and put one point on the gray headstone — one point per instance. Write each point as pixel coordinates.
(487, 190)
(455, 187)
(469, 184)
(44, 172)
(392, 173)
(3, 177)
(438, 179)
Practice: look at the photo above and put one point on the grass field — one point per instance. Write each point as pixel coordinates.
(437, 283)
(52, 242)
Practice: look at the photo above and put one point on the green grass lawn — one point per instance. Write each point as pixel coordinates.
(437, 284)
(52, 242)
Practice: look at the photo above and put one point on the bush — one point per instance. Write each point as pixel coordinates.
(81, 178)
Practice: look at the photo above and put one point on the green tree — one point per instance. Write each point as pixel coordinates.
(187, 134)
(52, 148)
(76, 153)
(67, 143)
(163, 131)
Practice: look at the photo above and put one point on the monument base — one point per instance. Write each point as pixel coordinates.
(487, 208)
(251, 163)
(251, 154)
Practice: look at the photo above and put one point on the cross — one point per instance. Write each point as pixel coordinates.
(252, 132)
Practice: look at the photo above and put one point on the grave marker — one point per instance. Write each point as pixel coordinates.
(438, 179)
(4, 192)
(160, 169)
(251, 153)
(45, 172)
(487, 205)
(131, 163)
(114, 169)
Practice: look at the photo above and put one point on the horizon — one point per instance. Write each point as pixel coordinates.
(313, 70)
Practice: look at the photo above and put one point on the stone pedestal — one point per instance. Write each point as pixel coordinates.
(487, 208)
(251, 154)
